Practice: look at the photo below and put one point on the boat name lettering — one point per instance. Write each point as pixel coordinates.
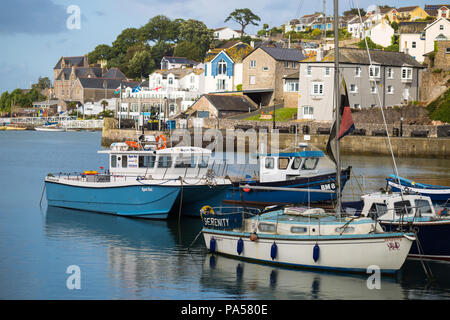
(393, 245)
(216, 222)
(146, 189)
(328, 186)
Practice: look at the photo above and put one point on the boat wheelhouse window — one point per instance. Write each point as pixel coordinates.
(185, 162)
(310, 163)
(377, 210)
(345, 229)
(203, 162)
(299, 230)
(165, 162)
(266, 227)
(283, 163)
(422, 206)
(124, 161)
(113, 161)
(147, 161)
(296, 163)
(402, 207)
(269, 163)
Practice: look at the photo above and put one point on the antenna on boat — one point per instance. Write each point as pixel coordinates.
(336, 106)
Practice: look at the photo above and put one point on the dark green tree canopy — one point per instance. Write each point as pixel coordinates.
(244, 17)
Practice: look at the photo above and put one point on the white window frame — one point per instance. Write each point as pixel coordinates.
(390, 89)
(390, 73)
(221, 85)
(286, 64)
(308, 71)
(406, 73)
(356, 106)
(252, 64)
(222, 67)
(355, 88)
(319, 86)
(291, 85)
(374, 71)
(327, 71)
(357, 71)
(373, 89)
(308, 112)
(252, 80)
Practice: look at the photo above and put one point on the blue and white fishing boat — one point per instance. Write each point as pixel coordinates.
(289, 178)
(142, 181)
(437, 194)
(411, 212)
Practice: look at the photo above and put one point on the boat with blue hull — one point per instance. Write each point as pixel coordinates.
(410, 212)
(437, 193)
(142, 182)
(288, 178)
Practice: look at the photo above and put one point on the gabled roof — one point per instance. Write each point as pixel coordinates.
(359, 56)
(114, 73)
(180, 60)
(435, 21)
(407, 9)
(237, 103)
(284, 54)
(77, 61)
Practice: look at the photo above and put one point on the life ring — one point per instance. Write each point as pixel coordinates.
(246, 188)
(161, 142)
(206, 210)
(133, 144)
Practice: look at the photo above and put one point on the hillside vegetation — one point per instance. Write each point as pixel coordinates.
(439, 109)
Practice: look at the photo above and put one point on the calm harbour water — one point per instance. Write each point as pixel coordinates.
(122, 258)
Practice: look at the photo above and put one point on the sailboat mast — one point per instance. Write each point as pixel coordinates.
(337, 106)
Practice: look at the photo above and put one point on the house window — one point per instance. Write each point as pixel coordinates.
(308, 70)
(413, 44)
(390, 73)
(327, 71)
(291, 86)
(441, 27)
(357, 71)
(357, 106)
(286, 64)
(220, 85)
(252, 64)
(170, 80)
(192, 79)
(353, 88)
(252, 80)
(317, 89)
(374, 71)
(390, 89)
(447, 50)
(222, 65)
(373, 89)
(294, 65)
(308, 113)
(406, 73)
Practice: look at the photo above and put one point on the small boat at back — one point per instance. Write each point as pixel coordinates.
(435, 192)
(409, 212)
(289, 178)
(50, 127)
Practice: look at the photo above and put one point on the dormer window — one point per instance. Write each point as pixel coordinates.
(222, 65)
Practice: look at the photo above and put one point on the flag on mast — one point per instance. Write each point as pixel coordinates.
(347, 125)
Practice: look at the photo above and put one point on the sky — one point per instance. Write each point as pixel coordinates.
(34, 34)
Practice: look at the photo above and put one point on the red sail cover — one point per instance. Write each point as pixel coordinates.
(347, 124)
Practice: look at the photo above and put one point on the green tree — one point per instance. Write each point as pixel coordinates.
(244, 17)
(354, 11)
(128, 38)
(160, 28)
(43, 83)
(189, 50)
(101, 52)
(198, 34)
(141, 64)
(104, 105)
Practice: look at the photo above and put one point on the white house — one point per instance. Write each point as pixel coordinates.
(381, 33)
(417, 38)
(223, 68)
(178, 62)
(226, 33)
(444, 12)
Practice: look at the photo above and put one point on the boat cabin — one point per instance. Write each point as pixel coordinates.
(169, 163)
(394, 206)
(288, 166)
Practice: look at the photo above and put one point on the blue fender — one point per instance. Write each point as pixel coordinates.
(240, 246)
(273, 251)
(316, 252)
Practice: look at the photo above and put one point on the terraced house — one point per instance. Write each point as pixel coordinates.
(392, 80)
(267, 75)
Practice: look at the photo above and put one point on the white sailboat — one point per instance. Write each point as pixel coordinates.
(308, 237)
